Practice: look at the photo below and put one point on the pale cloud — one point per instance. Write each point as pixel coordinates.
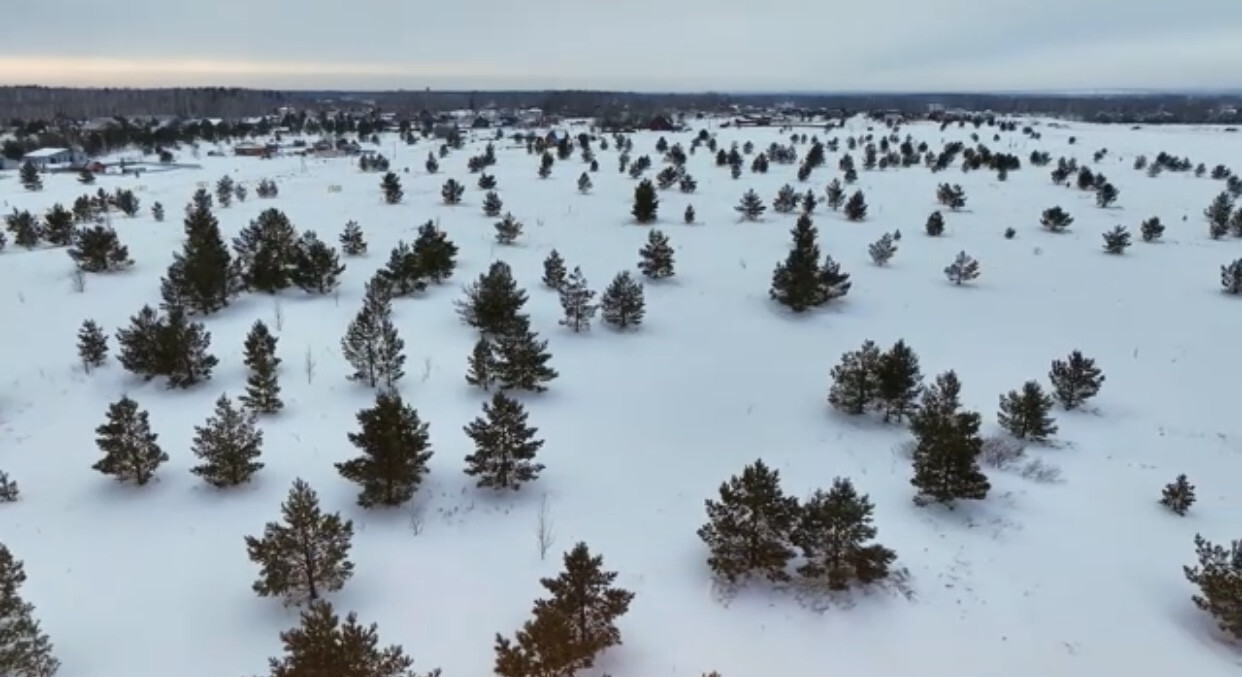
(806, 45)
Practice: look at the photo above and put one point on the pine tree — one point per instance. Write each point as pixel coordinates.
(786, 200)
(1178, 495)
(1075, 380)
(229, 444)
(554, 270)
(138, 346)
(622, 303)
(522, 358)
(505, 446)
(157, 212)
(390, 185)
(29, 176)
(183, 348)
(129, 447)
(492, 204)
(646, 203)
(1026, 415)
(963, 269)
(266, 251)
(576, 301)
(951, 196)
(573, 626)
(203, 275)
(1231, 277)
(508, 230)
(96, 249)
(749, 527)
(9, 491)
(688, 217)
(92, 345)
(404, 272)
(946, 465)
(25, 650)
(882, 250)
(584, 183)
(487, 181)
(371, 344)
(451, 192)
(1219, 579)
(481, 367)
(1151, 229)
(435, 255)
(1106, 194)
(306, 556)
(856, 207)
(796, 282)
(352, 241)
(657, 256)
(322, 646)
(898, 382)
(58, 226)
(24, 227)
(317, 268)
(493, 302)
(395, 447)
(262, 388)
(1056, 220)
(1116, 240)
(856, 380)
(832, 532)
(835, 193)
(751, 206)
(935, 224)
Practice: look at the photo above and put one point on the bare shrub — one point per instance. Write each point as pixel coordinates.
(1002, 452)
(418, 514)
(278, 313)
(77, 280)
(544, 534)
(427, 365)
(308, 365)
(1042, 472)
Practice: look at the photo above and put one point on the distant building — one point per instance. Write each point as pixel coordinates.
(660, 123)
(53, 158)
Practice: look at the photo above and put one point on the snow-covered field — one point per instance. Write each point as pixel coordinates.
(1081, 577)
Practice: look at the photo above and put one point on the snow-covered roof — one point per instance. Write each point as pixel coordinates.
(46, 153)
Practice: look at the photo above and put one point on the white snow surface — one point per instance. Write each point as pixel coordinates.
(1079, 577)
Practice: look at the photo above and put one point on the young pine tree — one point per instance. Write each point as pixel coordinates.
(322, 645)
(492, 204)
(856, 207)
(576, 302)
(622, 303)
(131, 453)
(1178, 495)
(646, 204)
(946, 454)
(657, 256)
(882, 250)
(395, 447)
(493, 302)
(316, 267)
(1117, 240)
(481, 365)
(371, 344)
(1075, 380)
(229, 445)
(856, 380)
(796, 282)
(505, 446)
(1219, 579)
(25, 650)
(306, 556)
(262, 394)
(833, 531)
(749, 528)
(508, 230)
(352, 241)
(435, 255)
(203, 276)
(390, 186)
(898, 382)
(935, 224)
(1026, 415)
(522, 358)
(835, 194)
(963, 269)
(183, 349)
(554, 270)
(92, 345)
(751, 206)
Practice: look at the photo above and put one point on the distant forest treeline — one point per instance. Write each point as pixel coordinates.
(32, 102)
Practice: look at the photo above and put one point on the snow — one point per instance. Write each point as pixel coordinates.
(1081, 577)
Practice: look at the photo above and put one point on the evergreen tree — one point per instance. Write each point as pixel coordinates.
(796, 282)
(576, 301)
(1151, 229)
(832, 532)
(29, 176)
(554, 270)
(898, 382)
(493, 301)
(505, 446)
(646, 203)
(835, 194)
(1218, 214)
(935, 224)
(404, 272)
(963, 269)
(92, 345)
(183, 347)
(25, 650)
(951, 196)
(856, 380)
(584, 183)
(1106, 194)
(946, 454)
(262, 387)
(481, 367)
(321, 646)
(1178, 495)
(24, 227)
(1026, 415)
(751, 206)
(657, 256)
(809, 202)
(129, 447)
(487, 181)
(9, 490)
(451, 192)
(1219, 579)
(882, 250)
(203, 275)
(1116, 240)
(786, 200)
(371, 344)
(573, 626)
(622, 303)
(306, 556)
(224, 191)
(228, 444)
(139, 345)
(522, 359)
(352, 241)
(856, 207)
(395, 447)
(434, 253)
(749, 527)
(316, 266)
(266, 252)
(1056, 220)
(1075, 380)
(1231, 277)
(508, 230)
(492, 204)
(688, 217)
(58, 226)
(96, 249)
(390, 185)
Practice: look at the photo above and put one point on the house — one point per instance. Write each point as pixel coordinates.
(53, 158)
(660, 123)
(255, 150)
(480, 122)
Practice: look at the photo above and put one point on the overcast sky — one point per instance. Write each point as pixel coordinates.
(653, 45)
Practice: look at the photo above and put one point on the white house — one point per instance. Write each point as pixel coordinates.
(52, 158)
